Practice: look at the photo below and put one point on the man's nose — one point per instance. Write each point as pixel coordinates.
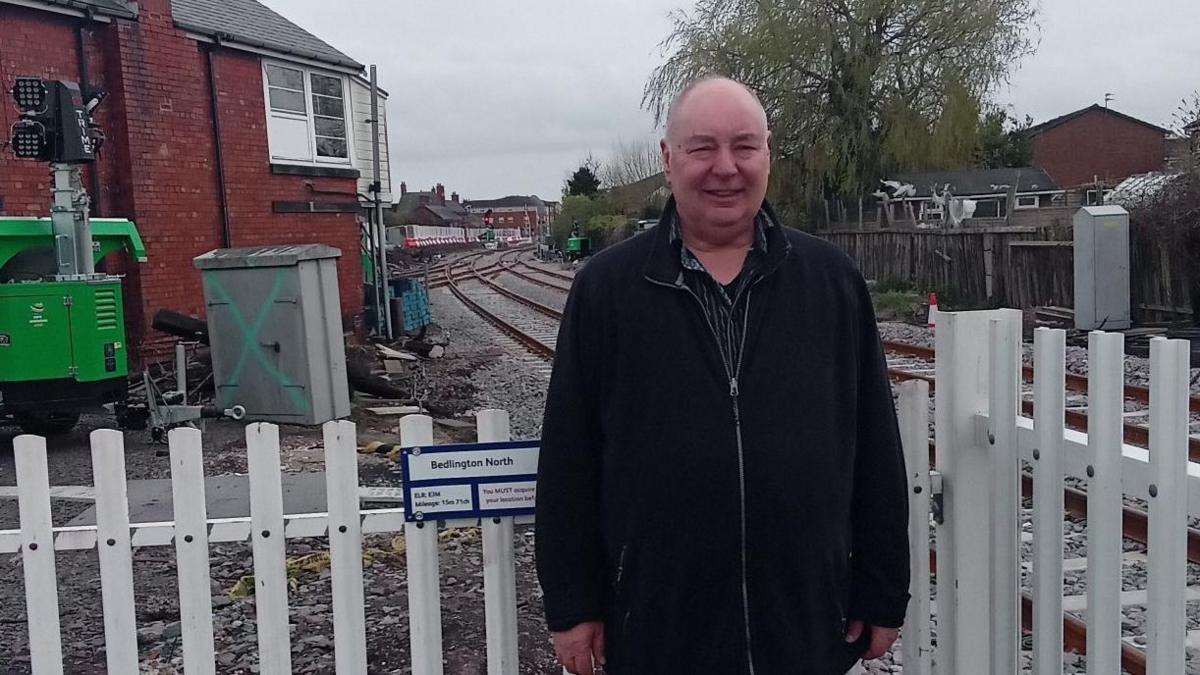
(724, 164)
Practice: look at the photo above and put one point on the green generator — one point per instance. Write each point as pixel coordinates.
(62, 323)
(578, 248)
(62, 343)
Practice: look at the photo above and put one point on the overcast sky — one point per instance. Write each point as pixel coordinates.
(494, 98)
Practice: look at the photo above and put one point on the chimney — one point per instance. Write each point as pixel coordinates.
(403, 188)
(441, 194)
(454, 197)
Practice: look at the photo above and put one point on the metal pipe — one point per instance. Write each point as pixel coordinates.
(377, 188)
(226, 228)
(85, 86)
(181, 372)
(63, 220)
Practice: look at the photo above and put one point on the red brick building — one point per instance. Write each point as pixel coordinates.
(1097, 143)
(226, 124)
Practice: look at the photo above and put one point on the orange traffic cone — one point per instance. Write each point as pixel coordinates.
(931, 322)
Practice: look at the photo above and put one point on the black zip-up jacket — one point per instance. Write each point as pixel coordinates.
(716, 523)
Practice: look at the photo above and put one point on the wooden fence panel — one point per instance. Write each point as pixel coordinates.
(1028, 267)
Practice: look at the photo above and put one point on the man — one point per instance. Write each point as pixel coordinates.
(721, 487)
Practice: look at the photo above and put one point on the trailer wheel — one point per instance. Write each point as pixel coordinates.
(48, 424)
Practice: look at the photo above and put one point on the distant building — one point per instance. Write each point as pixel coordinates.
(429, 208)
(1097, 144)
(529, 214)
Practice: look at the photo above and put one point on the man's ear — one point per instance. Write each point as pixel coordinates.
(665, 151)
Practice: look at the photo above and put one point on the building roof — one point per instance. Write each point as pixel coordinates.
(118, 8)
(409, 202)
(510, 201)
(968, 182)
(1059, 121)
(253, 24)
(1141, 189)
(447, 213)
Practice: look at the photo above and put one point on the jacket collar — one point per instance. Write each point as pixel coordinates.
(663, 264)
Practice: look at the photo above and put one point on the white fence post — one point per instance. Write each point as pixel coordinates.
(191, 550)
(499, 571)
(965, 622)
(424, 587)
(1106, 404)
(37, 555)
(270, 559)
(345, 547)
(916, 643)
(1004, 339)
(1049, 372)
(1169, 370)
(116, 556)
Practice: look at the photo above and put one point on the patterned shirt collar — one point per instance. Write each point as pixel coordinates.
(762, 223)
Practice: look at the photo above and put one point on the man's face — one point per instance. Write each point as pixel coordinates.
(717, 156)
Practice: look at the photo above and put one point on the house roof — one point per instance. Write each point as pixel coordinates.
(409, 201)
(968, 182)
(1059, 121)
(118, 8)
(253, 24)
(447, 213)
(505, 202)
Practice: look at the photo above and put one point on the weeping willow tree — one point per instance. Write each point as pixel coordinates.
(854, 88)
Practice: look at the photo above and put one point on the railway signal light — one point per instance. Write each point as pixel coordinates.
(56, 122)
(31, 95)
(29, 140)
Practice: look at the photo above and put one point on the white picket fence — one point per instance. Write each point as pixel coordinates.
(267, 528)
(981, 441)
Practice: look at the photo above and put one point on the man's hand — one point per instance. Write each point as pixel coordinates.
(881, 638)
(581, 647)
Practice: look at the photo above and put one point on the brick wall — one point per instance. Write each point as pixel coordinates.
(1098, 144)
(252, 187)
(159, 165)
(45, 45)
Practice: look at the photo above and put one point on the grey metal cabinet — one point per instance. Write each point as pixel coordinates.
(275, 327)
(1102, 293)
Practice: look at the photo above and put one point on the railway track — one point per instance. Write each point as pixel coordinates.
(530, 324)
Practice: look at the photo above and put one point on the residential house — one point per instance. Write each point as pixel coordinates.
(1097, 145)
(529, 214)
(430, 208)
(227, 126)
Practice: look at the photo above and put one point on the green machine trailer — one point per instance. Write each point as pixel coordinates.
(63, 347)
(62, 343)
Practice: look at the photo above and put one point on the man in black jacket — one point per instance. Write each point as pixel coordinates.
(721, 486)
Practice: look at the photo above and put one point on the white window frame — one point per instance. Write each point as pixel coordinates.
(1037, 202)
(347, 110)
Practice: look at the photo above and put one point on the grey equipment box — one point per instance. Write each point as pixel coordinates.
(1102, 268)
(275, 327)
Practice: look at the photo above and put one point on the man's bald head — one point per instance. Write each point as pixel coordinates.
(717, 159)
(711, 85)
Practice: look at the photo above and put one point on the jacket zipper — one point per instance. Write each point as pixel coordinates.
(734, 392)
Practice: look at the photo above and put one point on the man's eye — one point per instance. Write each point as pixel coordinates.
(700, 148)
